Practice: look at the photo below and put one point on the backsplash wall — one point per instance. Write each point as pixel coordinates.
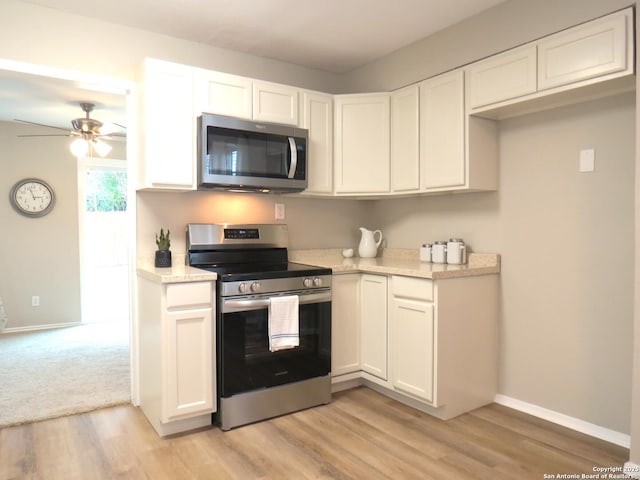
(312, 222)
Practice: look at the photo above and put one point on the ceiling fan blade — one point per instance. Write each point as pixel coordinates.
(111, 129)
(40, 124)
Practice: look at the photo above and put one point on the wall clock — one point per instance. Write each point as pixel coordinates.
(32, 197)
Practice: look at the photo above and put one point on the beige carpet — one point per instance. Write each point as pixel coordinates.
(52, 373)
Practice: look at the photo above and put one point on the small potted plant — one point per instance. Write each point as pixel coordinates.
(163, 254)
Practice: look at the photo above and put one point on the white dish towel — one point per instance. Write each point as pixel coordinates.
(283, 323)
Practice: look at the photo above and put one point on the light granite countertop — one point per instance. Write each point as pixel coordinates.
(179, 272)
(398, 261)
(392, 261)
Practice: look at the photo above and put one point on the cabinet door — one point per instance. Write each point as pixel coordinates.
(362, 143)
(223, 94)
(275, 103)
(317, 117)
(345, 324)
(405, 152)
(502, 77)
(590, 50)
(412, 334)
(374, 325)
(442, 121)
(190, 363)
(168, 126)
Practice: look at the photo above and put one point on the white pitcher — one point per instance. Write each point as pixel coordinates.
(368, 247)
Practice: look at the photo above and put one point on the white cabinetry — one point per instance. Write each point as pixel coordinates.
(412, 335)
(373, 320)
(405, 145)
(223, 94)
(362, 144)
(591, 50)
(275, 103)
(177, 361)
(242, 97)
(501, 77)
(345, 324)
(576, 63)
(317, 117)
(429, 343)
(166, 126)
(442, 132)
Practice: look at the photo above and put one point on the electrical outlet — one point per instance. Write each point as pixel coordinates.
(279, 211)
(35, 301)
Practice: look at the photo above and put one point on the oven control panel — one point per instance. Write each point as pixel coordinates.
(272, 285)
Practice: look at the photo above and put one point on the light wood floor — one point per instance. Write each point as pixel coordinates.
(360, 435)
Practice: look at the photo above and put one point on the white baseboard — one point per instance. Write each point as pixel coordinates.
(573, 423)
(632, 470)
(38, 327)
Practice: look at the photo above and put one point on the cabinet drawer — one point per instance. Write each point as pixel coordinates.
(409, 287)
(189, 294)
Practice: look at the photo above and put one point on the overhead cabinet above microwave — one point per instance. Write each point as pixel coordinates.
(242, 97)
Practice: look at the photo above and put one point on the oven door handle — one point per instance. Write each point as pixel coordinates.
(232, 305)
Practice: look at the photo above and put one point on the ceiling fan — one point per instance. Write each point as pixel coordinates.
(88, 131)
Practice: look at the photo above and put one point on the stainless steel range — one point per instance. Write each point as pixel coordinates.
(273, 322)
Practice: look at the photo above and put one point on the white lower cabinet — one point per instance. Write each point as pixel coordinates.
(431, 344)
(373, 311)
(345, 324)
(177, 360)
(412, 347)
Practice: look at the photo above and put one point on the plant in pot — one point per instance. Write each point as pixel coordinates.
(163, 254)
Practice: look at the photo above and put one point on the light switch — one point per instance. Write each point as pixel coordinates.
(587, 160)
(279, 211)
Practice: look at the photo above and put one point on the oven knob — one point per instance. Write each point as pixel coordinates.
(307, 282)
(317, 282)
(243, 288)
(255, 287)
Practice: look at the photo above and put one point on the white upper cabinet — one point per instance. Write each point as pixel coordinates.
(275, 103)
(166, 127)
(223, 94)
(317, 117)
(442, 132)
(501, 77)
(575, 62)
(405, 145)
(362, 144)
(591, 50)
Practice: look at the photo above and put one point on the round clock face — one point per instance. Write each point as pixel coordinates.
(32, 197)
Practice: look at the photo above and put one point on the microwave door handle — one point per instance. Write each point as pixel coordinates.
(294, 157)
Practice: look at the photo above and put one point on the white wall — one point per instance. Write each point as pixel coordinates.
(313, 223)
(40, 256)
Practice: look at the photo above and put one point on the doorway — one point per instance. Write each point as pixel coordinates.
(102, 206)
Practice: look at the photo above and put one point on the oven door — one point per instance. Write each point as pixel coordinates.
(245, 361)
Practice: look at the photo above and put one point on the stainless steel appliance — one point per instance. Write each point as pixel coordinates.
(236, 154)
(252, 264)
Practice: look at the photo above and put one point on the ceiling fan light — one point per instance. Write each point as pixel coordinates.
(101, 147)
(79, 147)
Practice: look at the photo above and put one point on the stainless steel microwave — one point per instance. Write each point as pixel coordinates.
(242, 155)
